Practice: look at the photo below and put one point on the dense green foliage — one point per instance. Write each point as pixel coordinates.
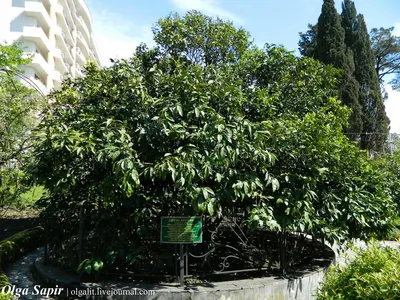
(308, 41)
(20, 243)
(19, 107)
(330, 48)
(330, 35)
(343, 41)
(209, 41)
(372, 274)
(255, 131)
(373, 110)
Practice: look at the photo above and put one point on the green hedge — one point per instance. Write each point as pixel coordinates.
(14, 247)
(373, 274)
(6, 296)
(18, 244)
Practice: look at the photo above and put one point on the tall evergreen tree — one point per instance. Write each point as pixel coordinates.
(349, 90)
(308, 41)
(349, 22)
(330, 48)
(375, 120)
(357, 39)
(330, 36)
(343, 41)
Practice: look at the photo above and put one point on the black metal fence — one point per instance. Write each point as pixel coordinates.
(228, 249)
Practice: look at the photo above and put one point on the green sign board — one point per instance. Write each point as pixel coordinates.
(181, 230)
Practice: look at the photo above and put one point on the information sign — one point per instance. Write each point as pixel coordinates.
(181, 230)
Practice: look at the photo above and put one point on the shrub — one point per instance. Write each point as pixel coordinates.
(372, 274)
(3, 282)
(185, 129)
(5, 296)
(20, 243)
(14, 247)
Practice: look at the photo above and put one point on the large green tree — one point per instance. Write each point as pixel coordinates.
(386, 48)
(164, 133)
(210, 40)
(19, 108)
(375, 121)
(330, 36)
(359, 89)
(331, 49)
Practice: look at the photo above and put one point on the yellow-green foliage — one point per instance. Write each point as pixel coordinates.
(3, 282)
(20, 243)
(5, 296)
(373, 274)
(14, 247)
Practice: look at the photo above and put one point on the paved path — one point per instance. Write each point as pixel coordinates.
(19, 273)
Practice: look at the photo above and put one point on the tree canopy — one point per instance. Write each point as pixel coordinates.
(19, 107)
(386, 49)
(343, 41)
(168, 133)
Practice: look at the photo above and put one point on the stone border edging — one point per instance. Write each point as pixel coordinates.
(299, 287)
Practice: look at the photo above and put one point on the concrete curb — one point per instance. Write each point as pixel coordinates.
(300, 287)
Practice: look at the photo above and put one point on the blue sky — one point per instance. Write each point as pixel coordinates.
(121, 25)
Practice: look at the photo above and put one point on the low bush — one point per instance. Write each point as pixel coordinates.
(20, 243)
(3, 282)
(374, 273)
(6, 296)
(14, 247)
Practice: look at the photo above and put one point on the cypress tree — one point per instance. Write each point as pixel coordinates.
(349, 90)
(375, 120)
(349, 21)
(374, 117)
(331, 49)
(308, 41)
(330, 36)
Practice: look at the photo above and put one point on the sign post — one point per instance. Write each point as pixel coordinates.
(181, 266)
(181, 230)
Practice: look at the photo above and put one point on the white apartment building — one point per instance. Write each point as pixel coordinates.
(57, 33)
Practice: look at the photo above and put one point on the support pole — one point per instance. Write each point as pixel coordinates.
(46, 241)
(181, 265)
(81, 224)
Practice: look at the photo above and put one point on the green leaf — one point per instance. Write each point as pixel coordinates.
(179, 109)
(275, 184)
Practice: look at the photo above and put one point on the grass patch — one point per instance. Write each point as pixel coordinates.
(30, 197)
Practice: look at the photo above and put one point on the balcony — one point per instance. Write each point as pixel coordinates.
(62, 42)
(80, 58)
(40, 65)
(65, 56)
(38, 36)
(62, 66)
(78, 71)
(57, 80)
(82, 27)
(85, 13)
(63, 23)
(39, 83)
(37, 10)
(82, 44)
(67, 10)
